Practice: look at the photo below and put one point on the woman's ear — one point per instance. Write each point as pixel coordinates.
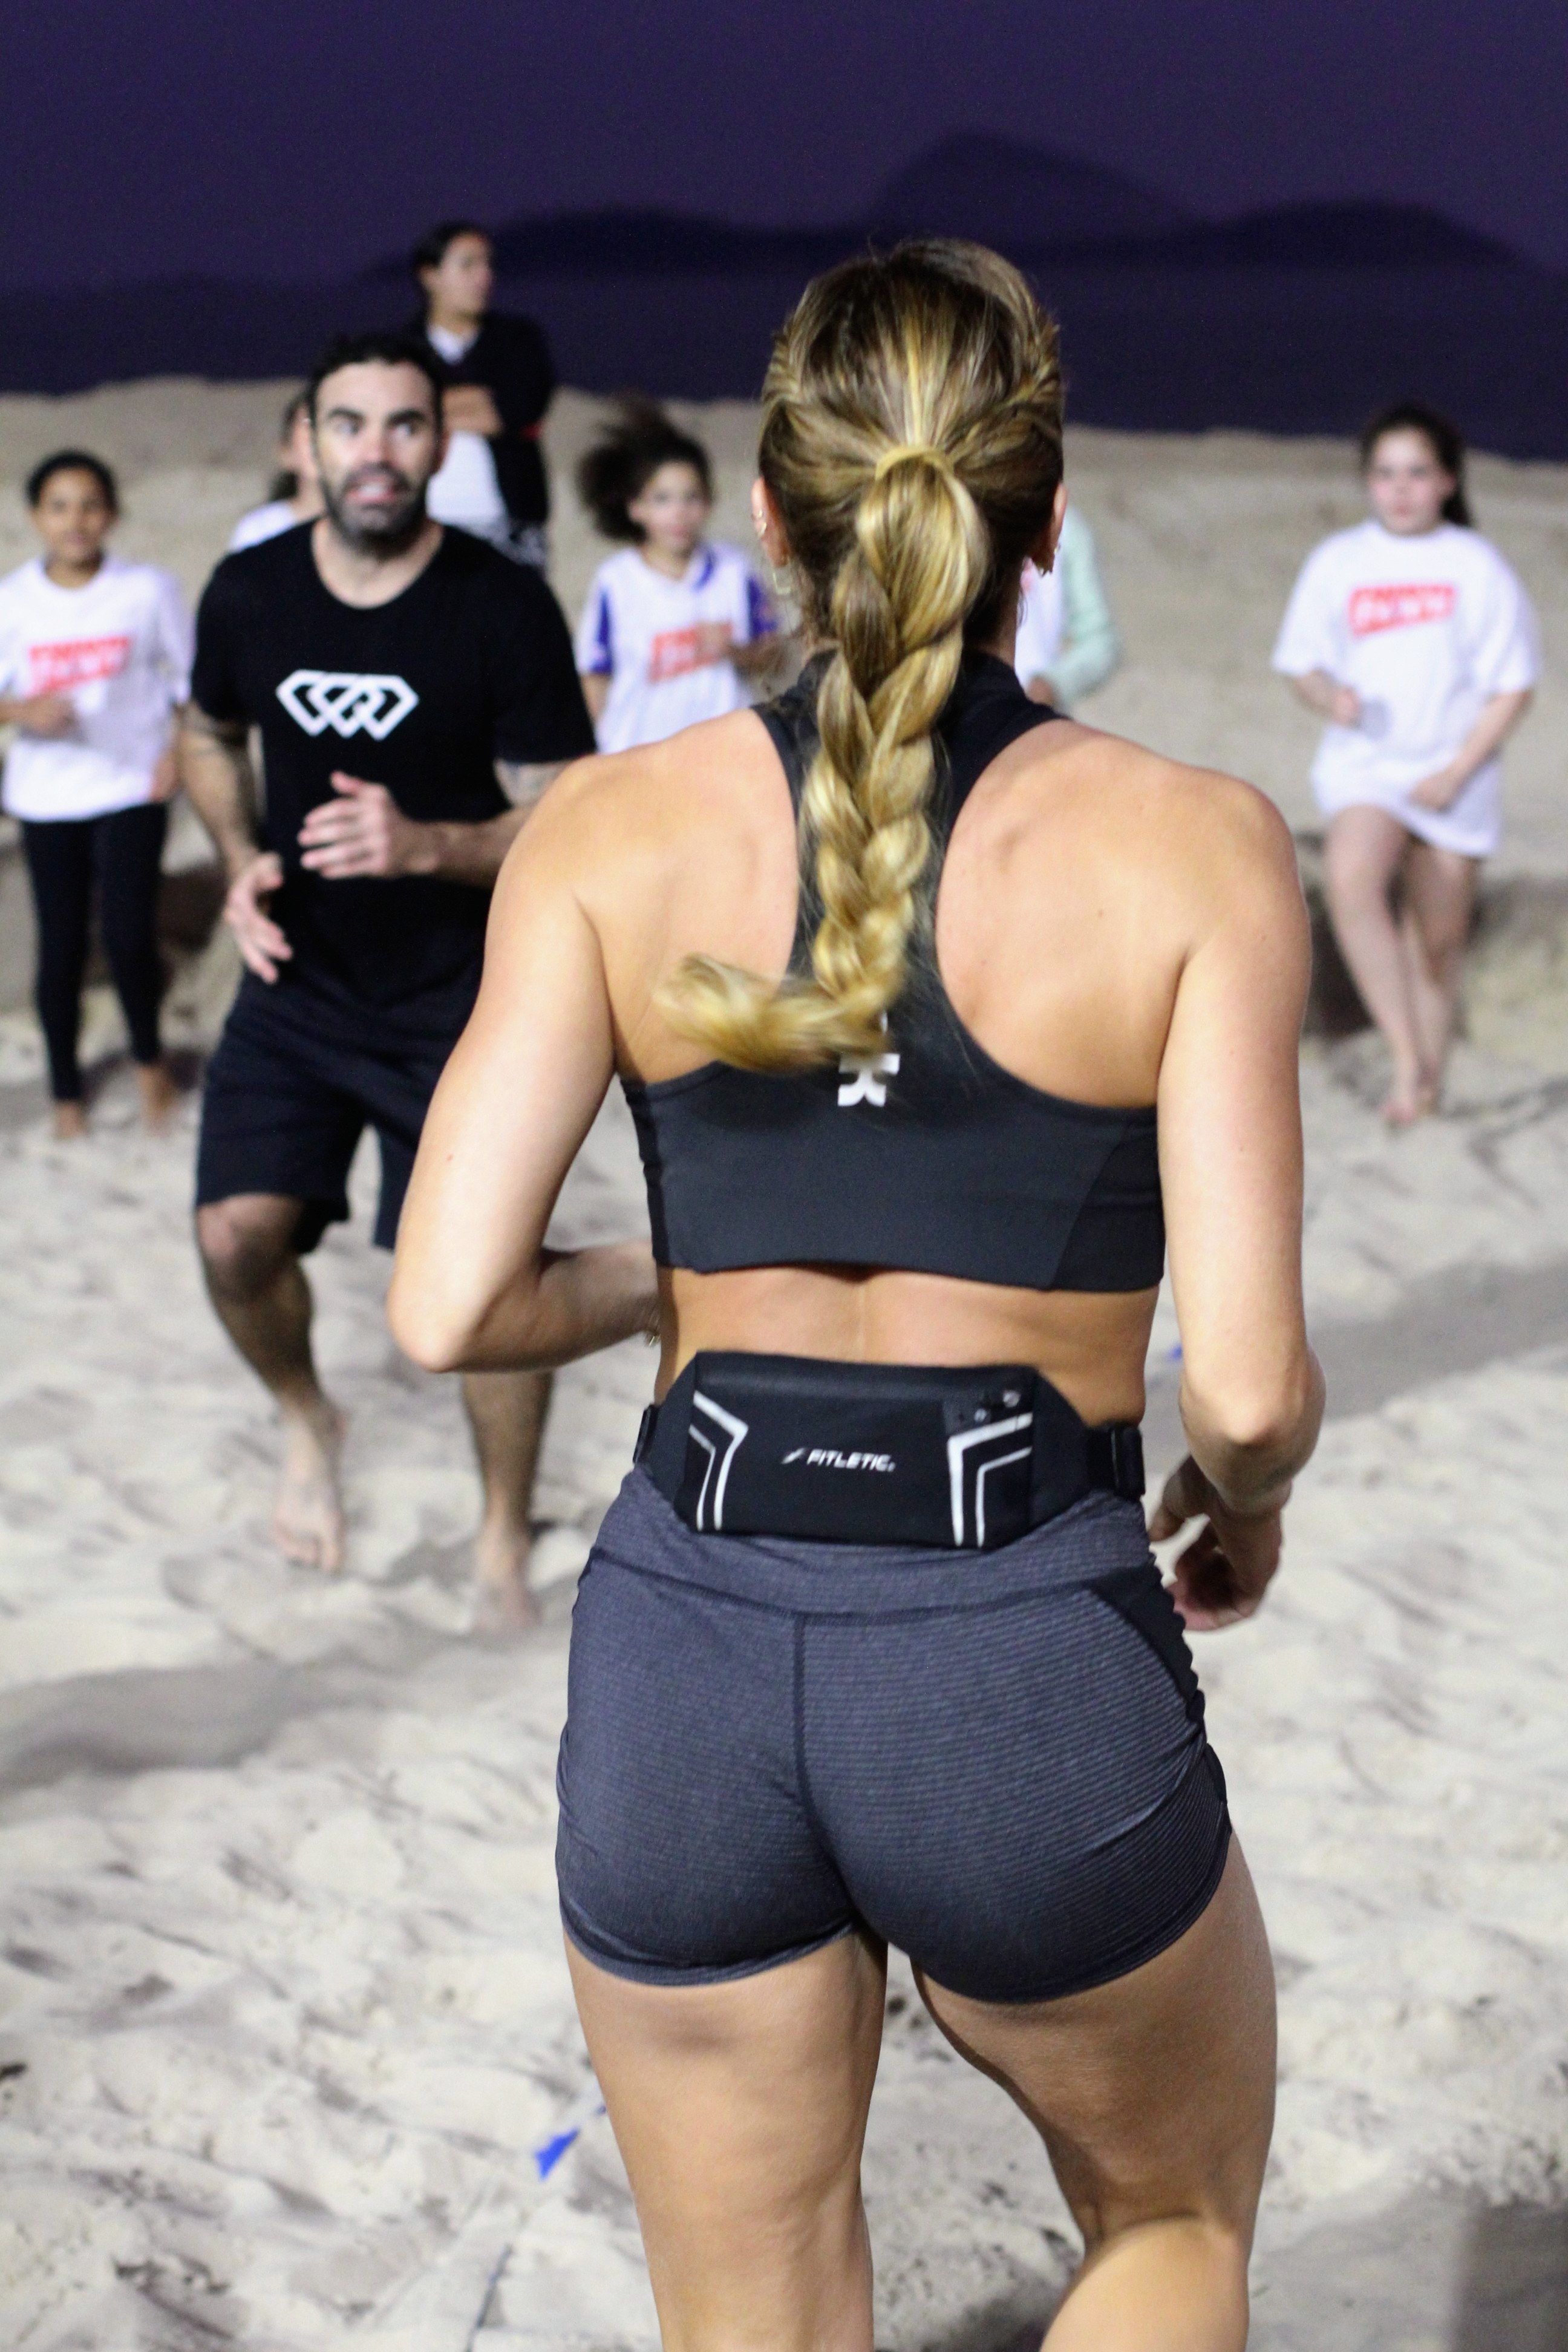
(1043, 554)
(768, 525)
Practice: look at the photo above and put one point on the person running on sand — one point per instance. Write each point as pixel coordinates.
(296, 494)
(95, 658)
(1411, 636)
(871, 1648)
(414, 694)
(676, 623)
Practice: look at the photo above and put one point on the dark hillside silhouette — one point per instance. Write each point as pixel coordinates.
(1297, 319)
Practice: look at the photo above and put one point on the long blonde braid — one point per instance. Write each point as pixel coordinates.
(911, 439)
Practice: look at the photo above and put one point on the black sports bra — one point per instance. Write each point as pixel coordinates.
(930, 1157)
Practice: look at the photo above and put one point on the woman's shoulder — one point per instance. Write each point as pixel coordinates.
(1143, 814)
(703, 776)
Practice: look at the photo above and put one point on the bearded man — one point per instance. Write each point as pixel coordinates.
(415, 692)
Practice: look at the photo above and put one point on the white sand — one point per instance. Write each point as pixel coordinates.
(283, 2015)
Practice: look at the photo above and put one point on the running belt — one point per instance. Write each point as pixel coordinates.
(962, 1460)
(929, 1156)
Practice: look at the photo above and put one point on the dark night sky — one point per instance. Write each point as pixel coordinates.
(300, 138)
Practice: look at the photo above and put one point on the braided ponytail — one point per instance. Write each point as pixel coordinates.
(911, 439)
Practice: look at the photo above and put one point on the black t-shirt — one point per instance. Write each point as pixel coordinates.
(471, 663)
(512, 359)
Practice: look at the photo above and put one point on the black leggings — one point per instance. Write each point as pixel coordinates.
(122, 852)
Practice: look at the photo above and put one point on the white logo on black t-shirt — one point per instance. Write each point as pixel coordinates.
(352, 702)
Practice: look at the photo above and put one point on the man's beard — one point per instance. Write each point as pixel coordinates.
(390, 529)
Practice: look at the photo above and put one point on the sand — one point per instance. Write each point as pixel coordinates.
(286, 2051)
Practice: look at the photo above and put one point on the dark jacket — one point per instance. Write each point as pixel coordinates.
(512, 359)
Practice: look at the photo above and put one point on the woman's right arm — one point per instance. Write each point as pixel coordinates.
(595, 685)
(1230, 1157)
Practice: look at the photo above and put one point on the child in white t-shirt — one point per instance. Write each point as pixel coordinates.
(1414, 639)
(675, 623)
(296, 493)
(95, 659)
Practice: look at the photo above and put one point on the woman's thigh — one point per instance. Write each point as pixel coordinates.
(1155, 2093)
(740, 2109)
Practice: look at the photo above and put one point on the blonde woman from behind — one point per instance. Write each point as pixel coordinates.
(937, 1015)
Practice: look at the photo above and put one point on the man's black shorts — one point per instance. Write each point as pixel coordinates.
(296, 1080)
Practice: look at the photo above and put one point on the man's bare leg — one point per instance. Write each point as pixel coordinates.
(505, 1412)
(257, 1284)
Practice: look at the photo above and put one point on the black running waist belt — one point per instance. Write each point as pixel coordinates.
(960, 1459)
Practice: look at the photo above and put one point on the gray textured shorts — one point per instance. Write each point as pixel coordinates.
(995, 1760)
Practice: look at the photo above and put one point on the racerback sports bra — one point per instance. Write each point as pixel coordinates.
(929, 1157)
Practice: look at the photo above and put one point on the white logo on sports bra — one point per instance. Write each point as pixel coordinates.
(866, 1075)
(351, 702)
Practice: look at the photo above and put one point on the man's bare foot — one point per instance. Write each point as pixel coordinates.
(69, 1122)
(307, 1518)
(160, 1096)
(503, 1602)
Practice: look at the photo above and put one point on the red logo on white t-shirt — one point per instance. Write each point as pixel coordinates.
(1401, 608)
(57, 668)
(672, 653)
(675, 653)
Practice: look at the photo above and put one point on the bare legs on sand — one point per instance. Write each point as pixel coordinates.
(159, 1099)
(741, 2108)
(1407, 961)
(263, 1299)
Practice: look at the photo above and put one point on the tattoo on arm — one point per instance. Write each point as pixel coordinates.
(216, 772)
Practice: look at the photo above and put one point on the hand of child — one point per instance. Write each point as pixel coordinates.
(1435, 791)
(714, 642)
(46, 714)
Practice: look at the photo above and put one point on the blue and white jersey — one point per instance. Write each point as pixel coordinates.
(653, 638)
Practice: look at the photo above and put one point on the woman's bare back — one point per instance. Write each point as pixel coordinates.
(1069, 899)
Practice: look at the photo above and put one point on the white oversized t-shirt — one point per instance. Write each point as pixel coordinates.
(1426, 629)
(262, 522)
(639, 630)
(119, 649)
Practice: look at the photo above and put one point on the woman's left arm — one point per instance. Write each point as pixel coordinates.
(1499, 715)
(474, 1286)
